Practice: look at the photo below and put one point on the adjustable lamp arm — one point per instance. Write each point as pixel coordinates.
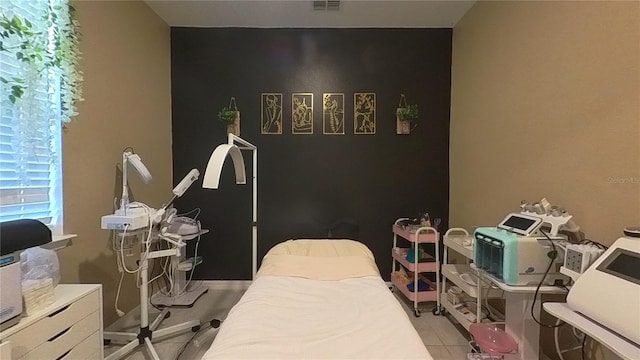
(212, 173)
(211, 179)
(134, 159)
(245, 145)
(124, 199)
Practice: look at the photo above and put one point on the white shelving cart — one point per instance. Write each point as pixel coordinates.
(464, 277)
(416, 235)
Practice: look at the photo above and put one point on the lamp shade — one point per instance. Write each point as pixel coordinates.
(136, 162)
(211, 178)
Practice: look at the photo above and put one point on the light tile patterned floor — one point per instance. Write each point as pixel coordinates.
(444, 340)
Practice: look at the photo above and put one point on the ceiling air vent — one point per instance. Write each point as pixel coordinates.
(326, 5)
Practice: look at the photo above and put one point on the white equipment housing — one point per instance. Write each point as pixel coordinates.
(129, 222)
(11, 292)
(186, 182)
(609, 291)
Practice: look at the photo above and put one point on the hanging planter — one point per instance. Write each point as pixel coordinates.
(230, 117)
(406, 116)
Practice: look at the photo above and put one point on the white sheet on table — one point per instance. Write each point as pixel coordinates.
(283, 317)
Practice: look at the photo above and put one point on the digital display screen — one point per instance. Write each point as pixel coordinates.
(517, 222)
(626, 264)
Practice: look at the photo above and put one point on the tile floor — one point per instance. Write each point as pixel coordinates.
(444, 340)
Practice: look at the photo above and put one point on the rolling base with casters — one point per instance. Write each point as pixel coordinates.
(146, 336)
(215, 323)
(148, 333)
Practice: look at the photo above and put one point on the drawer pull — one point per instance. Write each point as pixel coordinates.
(65, 354)
(59, 334)
(59, 311)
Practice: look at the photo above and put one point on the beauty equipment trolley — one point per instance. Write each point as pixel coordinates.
(416, 236)
(182, 293)
(465, 278)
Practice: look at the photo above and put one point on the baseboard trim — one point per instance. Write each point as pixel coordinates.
(227, 284)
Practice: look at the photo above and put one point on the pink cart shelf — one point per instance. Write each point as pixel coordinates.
(420, 296)
(400, 255)
(410, 234)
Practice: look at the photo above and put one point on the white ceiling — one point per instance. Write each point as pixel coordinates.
(300, 13)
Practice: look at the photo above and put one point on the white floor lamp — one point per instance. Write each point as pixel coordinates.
(213, 171)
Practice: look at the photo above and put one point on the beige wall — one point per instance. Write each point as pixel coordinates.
(126, 65)
(546, 103)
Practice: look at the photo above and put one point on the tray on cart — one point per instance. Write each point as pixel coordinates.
(429, 295)
(426, 264)
(412, 234)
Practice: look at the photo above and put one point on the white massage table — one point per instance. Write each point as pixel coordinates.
(318, 299)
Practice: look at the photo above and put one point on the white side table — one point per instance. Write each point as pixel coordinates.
(620, 346)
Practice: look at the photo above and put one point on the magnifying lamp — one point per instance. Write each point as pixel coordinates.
(216, 161)
(134, 159)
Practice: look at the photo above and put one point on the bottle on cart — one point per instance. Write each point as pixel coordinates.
(424, 219)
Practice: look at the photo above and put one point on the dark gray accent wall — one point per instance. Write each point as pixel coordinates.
(308, 182)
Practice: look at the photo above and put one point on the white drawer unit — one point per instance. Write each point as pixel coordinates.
(70, 328)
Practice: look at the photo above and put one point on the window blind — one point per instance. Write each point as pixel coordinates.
(30, 130)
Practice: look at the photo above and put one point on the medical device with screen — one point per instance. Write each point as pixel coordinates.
(616, 274)
(623, 264)
(520, 224)
(516, 252)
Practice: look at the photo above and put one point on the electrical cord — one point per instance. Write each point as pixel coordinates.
(196, 210)
(575, 335)
(152, 284)
(594, 243)
(582, 352)
(553, 254)
(168, 273)
(468, 279)
(488, 306)
(120, 267)
(147, 243)
(120, 256)
(557, 341)
(184, 346)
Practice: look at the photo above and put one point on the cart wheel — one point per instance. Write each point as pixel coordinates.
(416, 312)
(215, 323)
(436, 311)
(167, 315)
(195, 328)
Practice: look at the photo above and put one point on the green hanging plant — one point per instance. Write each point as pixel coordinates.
(23, 47)
(67, 58)
(408, 113)
(20, 38)
(227, 116)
